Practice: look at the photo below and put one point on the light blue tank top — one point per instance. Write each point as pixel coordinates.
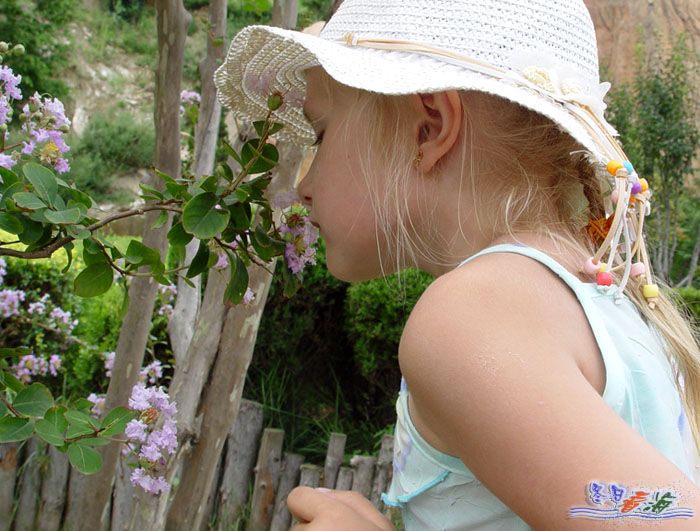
(436, 491)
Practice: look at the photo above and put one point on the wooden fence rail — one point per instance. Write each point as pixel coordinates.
(35, 480)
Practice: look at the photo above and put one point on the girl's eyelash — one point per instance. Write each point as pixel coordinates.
(319, 139)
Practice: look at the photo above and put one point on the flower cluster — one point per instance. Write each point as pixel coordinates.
(3, 269)
(109, 363)
(299, 251)
(151, 436)
(98, 406)
(30, 366)
(10, 300)
(46, 122)
(167, 292)
(151, 372)
(188, 98)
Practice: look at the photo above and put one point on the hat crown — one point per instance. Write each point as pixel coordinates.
(498, 32)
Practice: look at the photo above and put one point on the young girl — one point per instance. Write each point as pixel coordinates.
(547, 380)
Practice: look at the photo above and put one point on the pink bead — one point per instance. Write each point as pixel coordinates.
(604, 279)
(591, 267)
(638, 269)
(636, 187)
(614, 196)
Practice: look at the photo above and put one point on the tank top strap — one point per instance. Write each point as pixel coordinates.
(589, 298)
(571, 280)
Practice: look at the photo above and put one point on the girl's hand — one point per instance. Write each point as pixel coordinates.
(321, 509)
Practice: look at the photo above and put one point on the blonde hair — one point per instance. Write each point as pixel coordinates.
(532, 164)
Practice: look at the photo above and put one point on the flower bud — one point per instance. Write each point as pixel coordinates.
(4, 47)
(33, 105)
(18, 49)
(150, 415)
(52, 119)
(3, 128)
(274, 101)
(64, 129)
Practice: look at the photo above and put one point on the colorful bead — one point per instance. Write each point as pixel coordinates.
(650, 291)
(614, 195)
(591, 267)
(644, 183)
(613, 166)
(636, 188)
(638, 269)
(602, 267)
(604, 278)
(628, 166)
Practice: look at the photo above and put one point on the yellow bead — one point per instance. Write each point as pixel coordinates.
(650, 291)
(613, 166)
(603, 267)
(645, 184)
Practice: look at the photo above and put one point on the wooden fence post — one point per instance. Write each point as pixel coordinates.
(8, 471)
(382, 473)
(334, 458)
(364, 471)
(267, 475)
(30, 484)
(281, 517)
(310, 476)
(345, 477)
(53, 490)
(241, 453)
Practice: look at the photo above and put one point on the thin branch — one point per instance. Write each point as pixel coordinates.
(11, 408)
(47, 251)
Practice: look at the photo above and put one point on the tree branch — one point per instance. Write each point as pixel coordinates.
(47, 251)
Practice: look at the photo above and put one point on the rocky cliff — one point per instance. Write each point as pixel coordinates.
(621, 24)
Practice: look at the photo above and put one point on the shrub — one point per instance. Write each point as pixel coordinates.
(38, 25)
(111, 144)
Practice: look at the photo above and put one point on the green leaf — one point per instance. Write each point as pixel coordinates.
(208, 183)
(177, 235)
(176, 190)
(265, 161)
(240, 216)
(201, 218)
(81, 197)
(8, 177)
(43, 180)
(94, 280)
(63, 217)
(48, 432)
(81, 419)
(33, 401)
(161, 220)
(3, 407)
(28, 200)
(152, 191)
(232, 153)
(11, 382)
(13, 429)
(83, 405)
(93, 441)
(10, 223)
(239, 280)
(200, 260)
(142, 255)
(116, 420)
(77, 431)
(56, 416)
(33, 230)
(260, 128)
(84, 459)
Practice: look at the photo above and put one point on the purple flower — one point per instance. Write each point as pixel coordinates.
(99, 404)
(140, 478)
(222, 262)
(140, 397)
(153, 371)
(54, 364)
(136, 430)
(248, 296)
(170, 290)
(3, 269)
(189, 97)
(109, 363)
(9, 83)
(6, 161)
(10, 300)
(166, 309)
(150, 451)
(286, 199)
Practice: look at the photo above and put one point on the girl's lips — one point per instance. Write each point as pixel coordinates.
(315, 224)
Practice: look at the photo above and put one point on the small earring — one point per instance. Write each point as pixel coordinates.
(419, 157)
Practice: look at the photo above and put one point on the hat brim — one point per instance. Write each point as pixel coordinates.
(280, 57)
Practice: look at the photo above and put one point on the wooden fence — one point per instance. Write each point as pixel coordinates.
(253, 478)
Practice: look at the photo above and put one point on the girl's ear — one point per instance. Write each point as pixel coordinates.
(437, 125)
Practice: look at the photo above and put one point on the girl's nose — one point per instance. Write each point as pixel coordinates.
(304, 191)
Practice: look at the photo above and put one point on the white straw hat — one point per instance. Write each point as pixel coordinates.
(541, 54)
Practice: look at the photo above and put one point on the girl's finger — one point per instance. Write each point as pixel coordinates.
(360, 505)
